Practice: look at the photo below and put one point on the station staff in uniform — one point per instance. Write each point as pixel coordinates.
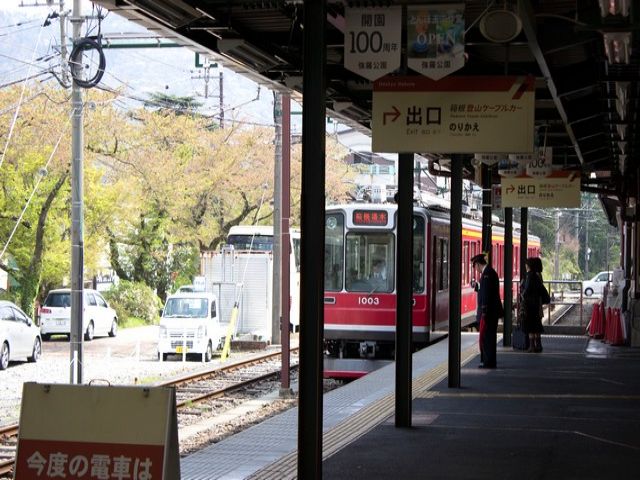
(489, 310)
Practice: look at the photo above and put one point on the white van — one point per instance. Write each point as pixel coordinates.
(190, 325)
(596, 284)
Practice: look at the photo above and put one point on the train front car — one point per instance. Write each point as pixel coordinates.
(360, 295)
(360, 300)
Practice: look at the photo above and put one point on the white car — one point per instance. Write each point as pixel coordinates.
(596, 284)
(190, 325)
(19, 336)
(99, 319)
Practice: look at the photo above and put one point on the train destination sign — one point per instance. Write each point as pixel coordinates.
(559, 189)
(372, 41)
(97, 432)
(378, 218)
(453, 115)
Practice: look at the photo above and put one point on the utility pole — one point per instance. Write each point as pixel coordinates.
(77, 227)
(587, 250)
(285, 380)
(278, 250)
(206, 76)
(64, 54)
(221, 95)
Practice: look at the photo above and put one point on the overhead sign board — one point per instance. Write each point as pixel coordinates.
(372, 41)
(85, 431)
(435, 39)
(559, 189)
(453, 115)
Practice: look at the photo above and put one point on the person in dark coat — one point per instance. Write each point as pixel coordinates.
(489, 310)
(531, 302)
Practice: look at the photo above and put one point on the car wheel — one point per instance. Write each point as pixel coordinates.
(208, 355)
(88, 335)
(114, 328)
(588, 292)
(37, 351)
(4, 356)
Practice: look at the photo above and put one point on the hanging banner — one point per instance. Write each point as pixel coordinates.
(559, 189)
(372, 41)
(435, 39)
(540, 165)
(86, 431)
(454, 115)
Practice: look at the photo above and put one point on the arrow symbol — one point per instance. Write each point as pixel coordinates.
(395, 114)
(510, 188)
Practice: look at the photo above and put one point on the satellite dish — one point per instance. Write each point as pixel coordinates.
(500, 25)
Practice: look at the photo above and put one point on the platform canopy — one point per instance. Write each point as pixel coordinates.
(584, 56)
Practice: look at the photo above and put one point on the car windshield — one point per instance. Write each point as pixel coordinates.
(186, 308)
(60, 299)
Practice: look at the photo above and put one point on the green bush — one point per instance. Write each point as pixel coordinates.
(132, 299)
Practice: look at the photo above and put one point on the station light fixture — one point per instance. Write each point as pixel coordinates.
(614, 7)
(617, 46)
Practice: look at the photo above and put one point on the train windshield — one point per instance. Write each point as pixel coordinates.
(263, 243)
(333, 252)
(370, 262)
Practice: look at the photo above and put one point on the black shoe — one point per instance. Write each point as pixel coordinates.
(481, 366)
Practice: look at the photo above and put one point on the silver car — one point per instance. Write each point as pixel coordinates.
(19, 336)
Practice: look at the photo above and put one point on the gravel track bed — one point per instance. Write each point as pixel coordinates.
(240, 409)
(116, 371)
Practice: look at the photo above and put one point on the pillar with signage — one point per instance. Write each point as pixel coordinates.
(90, 431)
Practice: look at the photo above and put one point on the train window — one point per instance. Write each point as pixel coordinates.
(370, 262)
(465, 263)
(418, 254)
(333, 252)
(443, 261)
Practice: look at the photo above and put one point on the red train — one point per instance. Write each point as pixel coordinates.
(360, 252)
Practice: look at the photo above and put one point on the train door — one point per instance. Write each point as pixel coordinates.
(440, 279)
(420, 307)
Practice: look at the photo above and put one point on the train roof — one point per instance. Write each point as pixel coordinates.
(433, 212)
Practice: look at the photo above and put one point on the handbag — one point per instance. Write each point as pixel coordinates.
(545, 298)
(519, 339)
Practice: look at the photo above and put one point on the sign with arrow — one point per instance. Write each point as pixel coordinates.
(453, 115)
(559, 189)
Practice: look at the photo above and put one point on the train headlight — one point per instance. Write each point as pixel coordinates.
(331, 223)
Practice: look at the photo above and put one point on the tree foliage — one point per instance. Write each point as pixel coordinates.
(160, 186)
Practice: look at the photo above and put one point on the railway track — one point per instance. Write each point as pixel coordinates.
(191, 389)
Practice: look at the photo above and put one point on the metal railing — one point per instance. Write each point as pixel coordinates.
(566, 297)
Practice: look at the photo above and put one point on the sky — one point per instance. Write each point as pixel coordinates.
(136, 72)
(26, 49)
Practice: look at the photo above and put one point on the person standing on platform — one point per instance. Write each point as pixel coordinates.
(489, 310)
(532, 293)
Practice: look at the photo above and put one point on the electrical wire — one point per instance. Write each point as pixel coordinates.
(35, 188)
(79, 47)
(19, 24)
(24, 87)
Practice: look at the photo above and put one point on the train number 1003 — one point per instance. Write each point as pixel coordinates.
(368, 301)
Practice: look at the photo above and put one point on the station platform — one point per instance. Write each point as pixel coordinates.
(572, 411)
